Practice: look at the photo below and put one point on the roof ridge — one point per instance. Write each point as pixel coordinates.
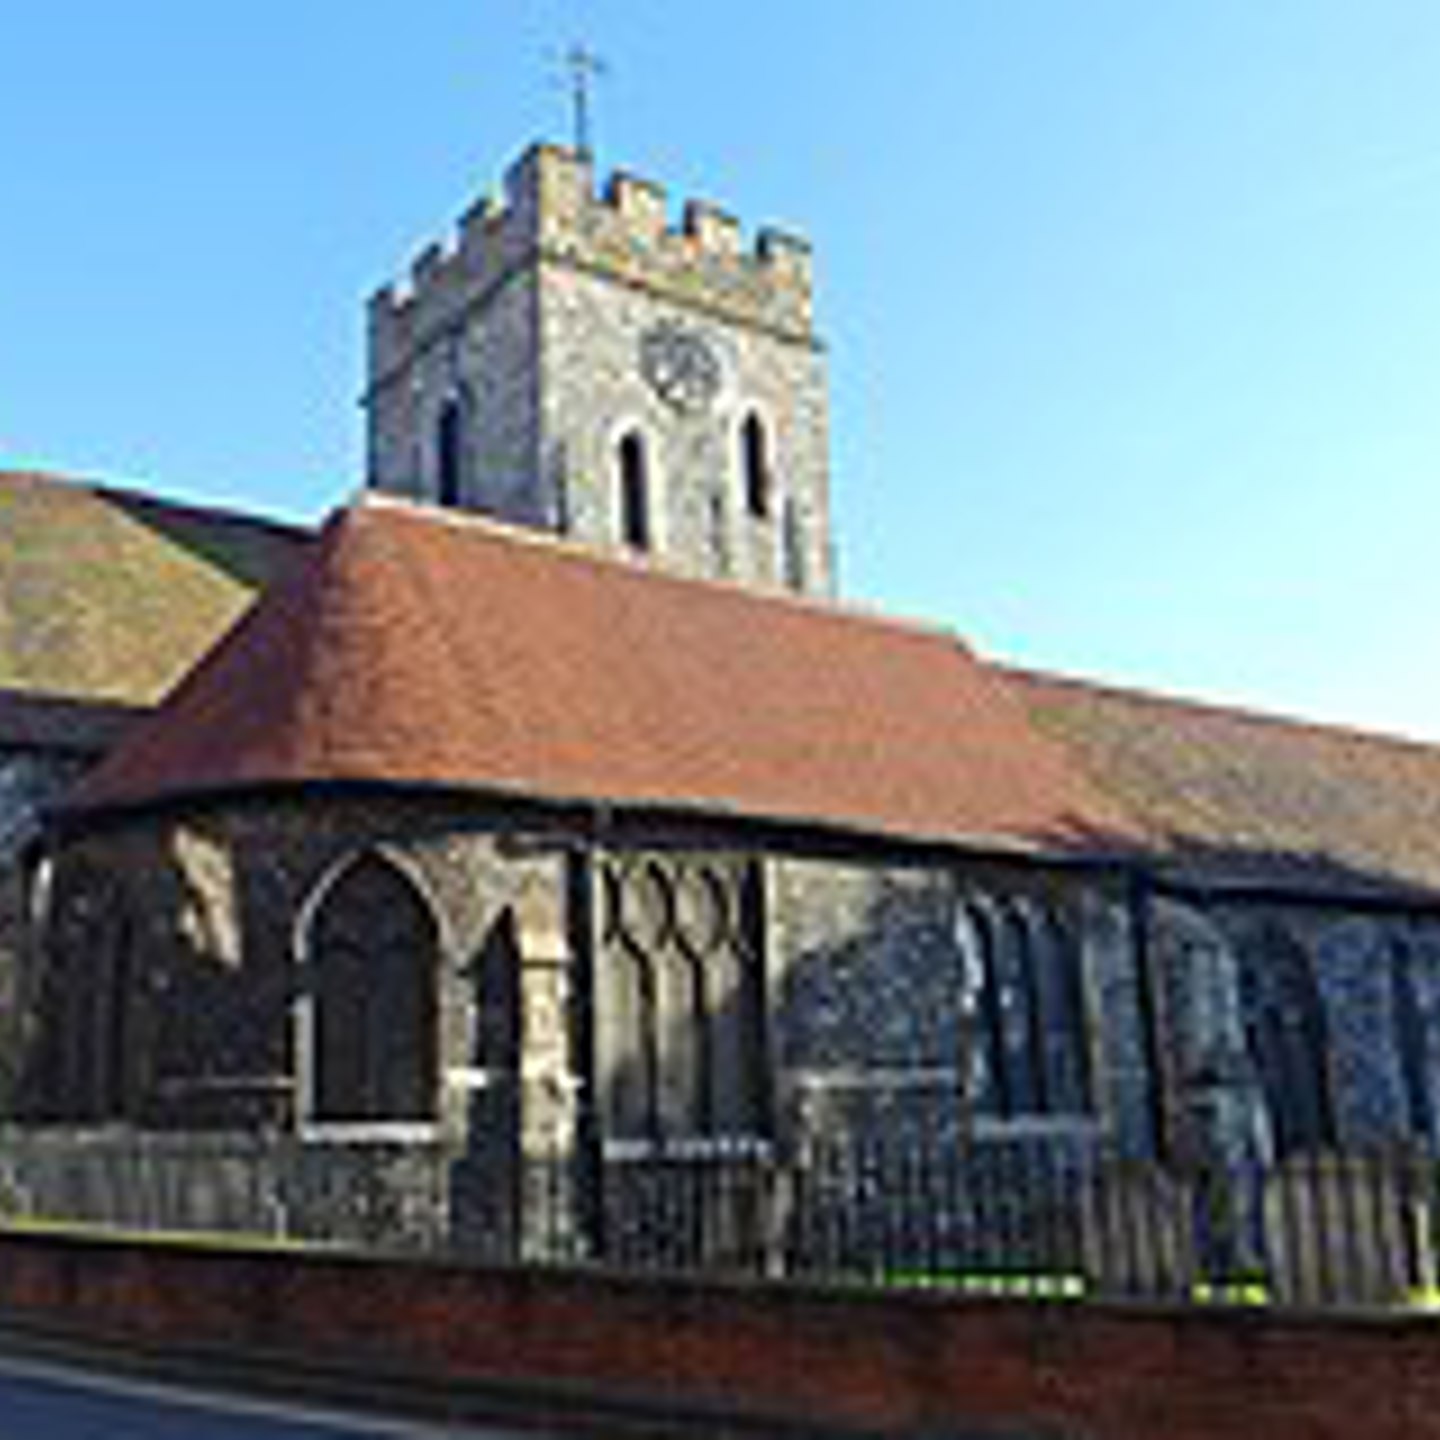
(95, 488)
(1249, 713)
(585, 551)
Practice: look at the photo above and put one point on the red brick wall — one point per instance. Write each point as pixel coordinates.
(895, 1363)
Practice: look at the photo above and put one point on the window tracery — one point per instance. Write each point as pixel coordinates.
(1030, 1032)
(680, 996)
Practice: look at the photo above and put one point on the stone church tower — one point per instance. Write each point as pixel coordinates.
(576, 364)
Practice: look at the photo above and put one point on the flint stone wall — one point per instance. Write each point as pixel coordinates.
(217, 900)
(871, 993)
(534, 325)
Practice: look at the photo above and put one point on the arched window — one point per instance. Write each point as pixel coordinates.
(680, 1003)
(373, 960)
(1286, 1032)
(80, 1071)
(755, 466)
(1056, 973)
(1029, 1012)
(634, 492)
(450, 452)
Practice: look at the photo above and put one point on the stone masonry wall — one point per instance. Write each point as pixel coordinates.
(868, 998)
(484, 361)
(550, 207)
(593, 392)
(875, 1027)
(874, 1022)
(534, 325)
(218, 905)
(1376, 987)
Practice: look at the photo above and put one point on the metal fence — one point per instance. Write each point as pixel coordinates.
(1033, 1216)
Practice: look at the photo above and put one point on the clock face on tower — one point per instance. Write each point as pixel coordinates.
(680, 366)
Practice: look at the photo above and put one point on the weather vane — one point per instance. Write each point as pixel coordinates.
(585, 67)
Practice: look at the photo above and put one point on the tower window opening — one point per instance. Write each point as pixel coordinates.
(450, 452)
(755, 463)
(634, 493)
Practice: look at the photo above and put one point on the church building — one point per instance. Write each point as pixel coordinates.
(548, 803)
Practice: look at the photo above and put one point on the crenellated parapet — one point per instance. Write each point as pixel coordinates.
(552, 212)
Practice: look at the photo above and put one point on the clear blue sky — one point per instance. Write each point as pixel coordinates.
(1133, 307)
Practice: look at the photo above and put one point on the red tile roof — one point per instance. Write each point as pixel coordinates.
(415, 646)
(1221, 790)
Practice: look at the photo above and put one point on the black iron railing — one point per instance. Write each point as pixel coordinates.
(1049, 1216)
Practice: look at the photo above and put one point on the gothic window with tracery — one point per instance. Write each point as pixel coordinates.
(680, 999)
(1030, 1037)
(1287, 1035)
(81, 1072)
(372, 960)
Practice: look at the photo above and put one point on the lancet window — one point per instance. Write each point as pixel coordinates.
(1287, 1035)
(634, 482)
(755, 466)
(369, 1006)
(86, 1000)
(450, 446)
(1029, 1040)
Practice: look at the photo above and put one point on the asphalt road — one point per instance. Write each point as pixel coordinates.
(41, 1401)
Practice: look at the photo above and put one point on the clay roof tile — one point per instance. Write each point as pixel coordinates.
(409, 645)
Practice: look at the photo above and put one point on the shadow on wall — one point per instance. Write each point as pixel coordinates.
(160, 998)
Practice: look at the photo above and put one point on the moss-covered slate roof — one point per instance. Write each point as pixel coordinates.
(1226, 792)
(113, 596)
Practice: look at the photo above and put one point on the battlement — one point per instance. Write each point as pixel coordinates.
(551, 212)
